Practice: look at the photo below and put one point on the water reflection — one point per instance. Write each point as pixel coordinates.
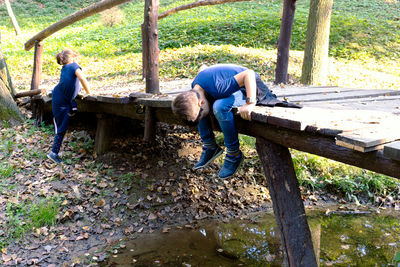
(339, 240)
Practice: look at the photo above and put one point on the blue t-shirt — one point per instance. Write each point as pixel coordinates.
(68, 87)
(218, 80)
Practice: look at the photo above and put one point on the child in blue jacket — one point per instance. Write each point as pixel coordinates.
(63, 97)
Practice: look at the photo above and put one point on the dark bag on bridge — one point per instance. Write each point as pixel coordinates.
(265, 97)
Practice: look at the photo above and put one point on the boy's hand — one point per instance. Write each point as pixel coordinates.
(245, 111)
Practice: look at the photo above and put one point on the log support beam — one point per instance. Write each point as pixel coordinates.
(287, 203)
(103, 133)
(150, 62)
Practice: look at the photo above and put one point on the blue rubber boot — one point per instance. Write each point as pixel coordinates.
(207, 156)
(231, 165)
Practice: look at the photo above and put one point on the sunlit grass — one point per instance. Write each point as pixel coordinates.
(364, 43)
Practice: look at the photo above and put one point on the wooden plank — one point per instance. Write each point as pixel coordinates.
(392, 150)
(342, 95)
(299, 91)
(368, 138)
(113, 99)
(317, 120)
(287, 203)
(358, 148)
(160, 102)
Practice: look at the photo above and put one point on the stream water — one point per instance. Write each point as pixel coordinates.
(339, 238)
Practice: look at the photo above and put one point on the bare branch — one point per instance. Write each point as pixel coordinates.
(196, 4)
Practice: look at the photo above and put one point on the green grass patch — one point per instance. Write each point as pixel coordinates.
(6, 170)
(315, 172)
(22, 218)
(318, 173)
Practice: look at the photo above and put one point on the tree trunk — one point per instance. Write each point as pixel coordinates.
(281, 71)
(8, 108)
(12, 17)
(315, 64)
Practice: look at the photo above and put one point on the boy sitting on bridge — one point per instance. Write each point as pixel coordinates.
(222, 87)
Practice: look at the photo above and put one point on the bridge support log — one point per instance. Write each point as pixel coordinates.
(104, 133)
(151, 53)
(287, 203)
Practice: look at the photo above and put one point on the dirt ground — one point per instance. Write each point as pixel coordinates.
(134, 189)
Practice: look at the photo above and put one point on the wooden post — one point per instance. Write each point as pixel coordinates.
(103, 133)
(287, 203)
(144, 51)
(37, 65)
(150, 62)
(281, 71)
(37, 71)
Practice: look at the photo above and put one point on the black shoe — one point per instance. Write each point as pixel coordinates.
(231, 165)
(207, 156)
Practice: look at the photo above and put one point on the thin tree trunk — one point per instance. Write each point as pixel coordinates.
(12, 17)
(315, 64)
(281, 71)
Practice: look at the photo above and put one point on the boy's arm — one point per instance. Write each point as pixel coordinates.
(83, 80)
(247, 79)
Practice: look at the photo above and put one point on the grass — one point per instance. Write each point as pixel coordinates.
(23, 217)
(351, 182)
(318, 173)
(364, 43)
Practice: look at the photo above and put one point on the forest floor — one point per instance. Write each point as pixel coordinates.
(134, 189)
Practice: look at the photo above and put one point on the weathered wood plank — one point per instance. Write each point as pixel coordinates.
(309, 90)
(287, 203)
(330, 96)
(392, 150)
(368, 138)
(358, 148)
(113, 99)
(323, 121)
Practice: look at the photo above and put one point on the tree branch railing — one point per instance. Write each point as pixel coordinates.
(74, 17)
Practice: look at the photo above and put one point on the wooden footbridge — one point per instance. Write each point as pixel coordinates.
(357, 127)
(354, 126)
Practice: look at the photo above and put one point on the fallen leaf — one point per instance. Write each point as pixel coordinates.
(152, 216)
